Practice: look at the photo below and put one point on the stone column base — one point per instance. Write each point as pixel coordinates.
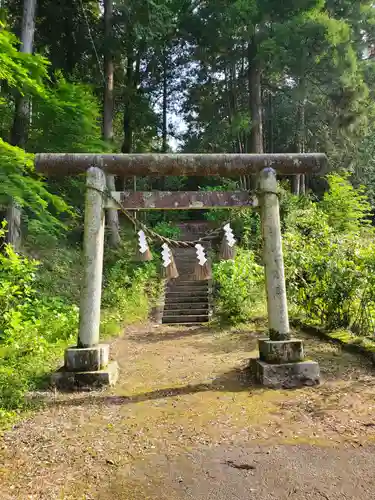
(86, 369)
(281, 364)
(84, 359)
(285, 375)
(280, 351)
(156, 313)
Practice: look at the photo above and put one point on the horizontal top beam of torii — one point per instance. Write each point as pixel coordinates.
(160, 165)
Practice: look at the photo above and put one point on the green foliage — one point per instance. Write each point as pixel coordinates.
(27, 74)
(127, 278)
(39, 312)
(322, 270)
(129, 290)
(60, 269)
(18, 180)
(167, 229)
(31, 327)
(66, 120)
(24, 72)
(329, 255)
(347, 208)
(17, 276)
(239, 283)
(247, 225)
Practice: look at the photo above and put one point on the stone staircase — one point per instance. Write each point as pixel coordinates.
(187, 301)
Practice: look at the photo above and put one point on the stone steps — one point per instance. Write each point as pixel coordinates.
(192, 306)
(181, 282)
(187, 289)
(186, 295)
(176, 298)
(185, 311)
(187, 301)
(185, 318)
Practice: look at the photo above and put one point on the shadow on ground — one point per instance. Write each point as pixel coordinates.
(235, 380)
(170, 333)
(335, 364)
(207, 339)
(187, 421)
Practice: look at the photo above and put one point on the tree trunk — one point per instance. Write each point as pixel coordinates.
(13, 217)
(269, 148)
(127, 121)
(109, 72)
(112, 215)
(231, 106)
(255, 139)
(19, 133)
(20, 127)
(160, 182)
(165, 103)
(299, 181)
(302, 140)
(256, 136)
(296, 184)
(127, 144)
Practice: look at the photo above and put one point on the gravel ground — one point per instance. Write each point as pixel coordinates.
(185, 422)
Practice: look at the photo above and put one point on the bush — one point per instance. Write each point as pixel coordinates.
(129, 289)
(37, 324)
(324, 273)
(33, 329)
(240, 284)
(31, 348)
(347, 208)
(168, 230)
(17, 275)
(247, 224)
(329, 256)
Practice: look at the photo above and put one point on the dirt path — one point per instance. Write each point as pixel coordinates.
(183, 423)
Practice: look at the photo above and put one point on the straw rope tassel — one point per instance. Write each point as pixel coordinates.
(143, 251)
(202, 268)
(227, 248)
(169, 266)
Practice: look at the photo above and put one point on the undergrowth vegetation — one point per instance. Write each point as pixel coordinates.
(239, 283)
(39, 312)
(329, 256)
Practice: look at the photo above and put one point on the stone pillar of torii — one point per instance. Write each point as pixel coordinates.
(281, 359)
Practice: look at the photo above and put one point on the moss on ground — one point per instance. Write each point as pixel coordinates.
(181, 390)
(349, 338)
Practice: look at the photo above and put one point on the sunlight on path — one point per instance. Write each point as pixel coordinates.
(184, 399)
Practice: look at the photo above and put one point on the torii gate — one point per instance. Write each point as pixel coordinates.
(281, 361)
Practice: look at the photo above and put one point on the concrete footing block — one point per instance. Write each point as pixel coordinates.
(86, 368)
(85, 359)
(280, 351)
(156, 313)
(85, 380)
(285, 375)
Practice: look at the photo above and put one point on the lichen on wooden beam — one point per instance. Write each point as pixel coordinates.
(160, 165)
(180, 200)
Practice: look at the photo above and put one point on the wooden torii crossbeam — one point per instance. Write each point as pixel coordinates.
(160, 165)
(90, 357)
(180, 200)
